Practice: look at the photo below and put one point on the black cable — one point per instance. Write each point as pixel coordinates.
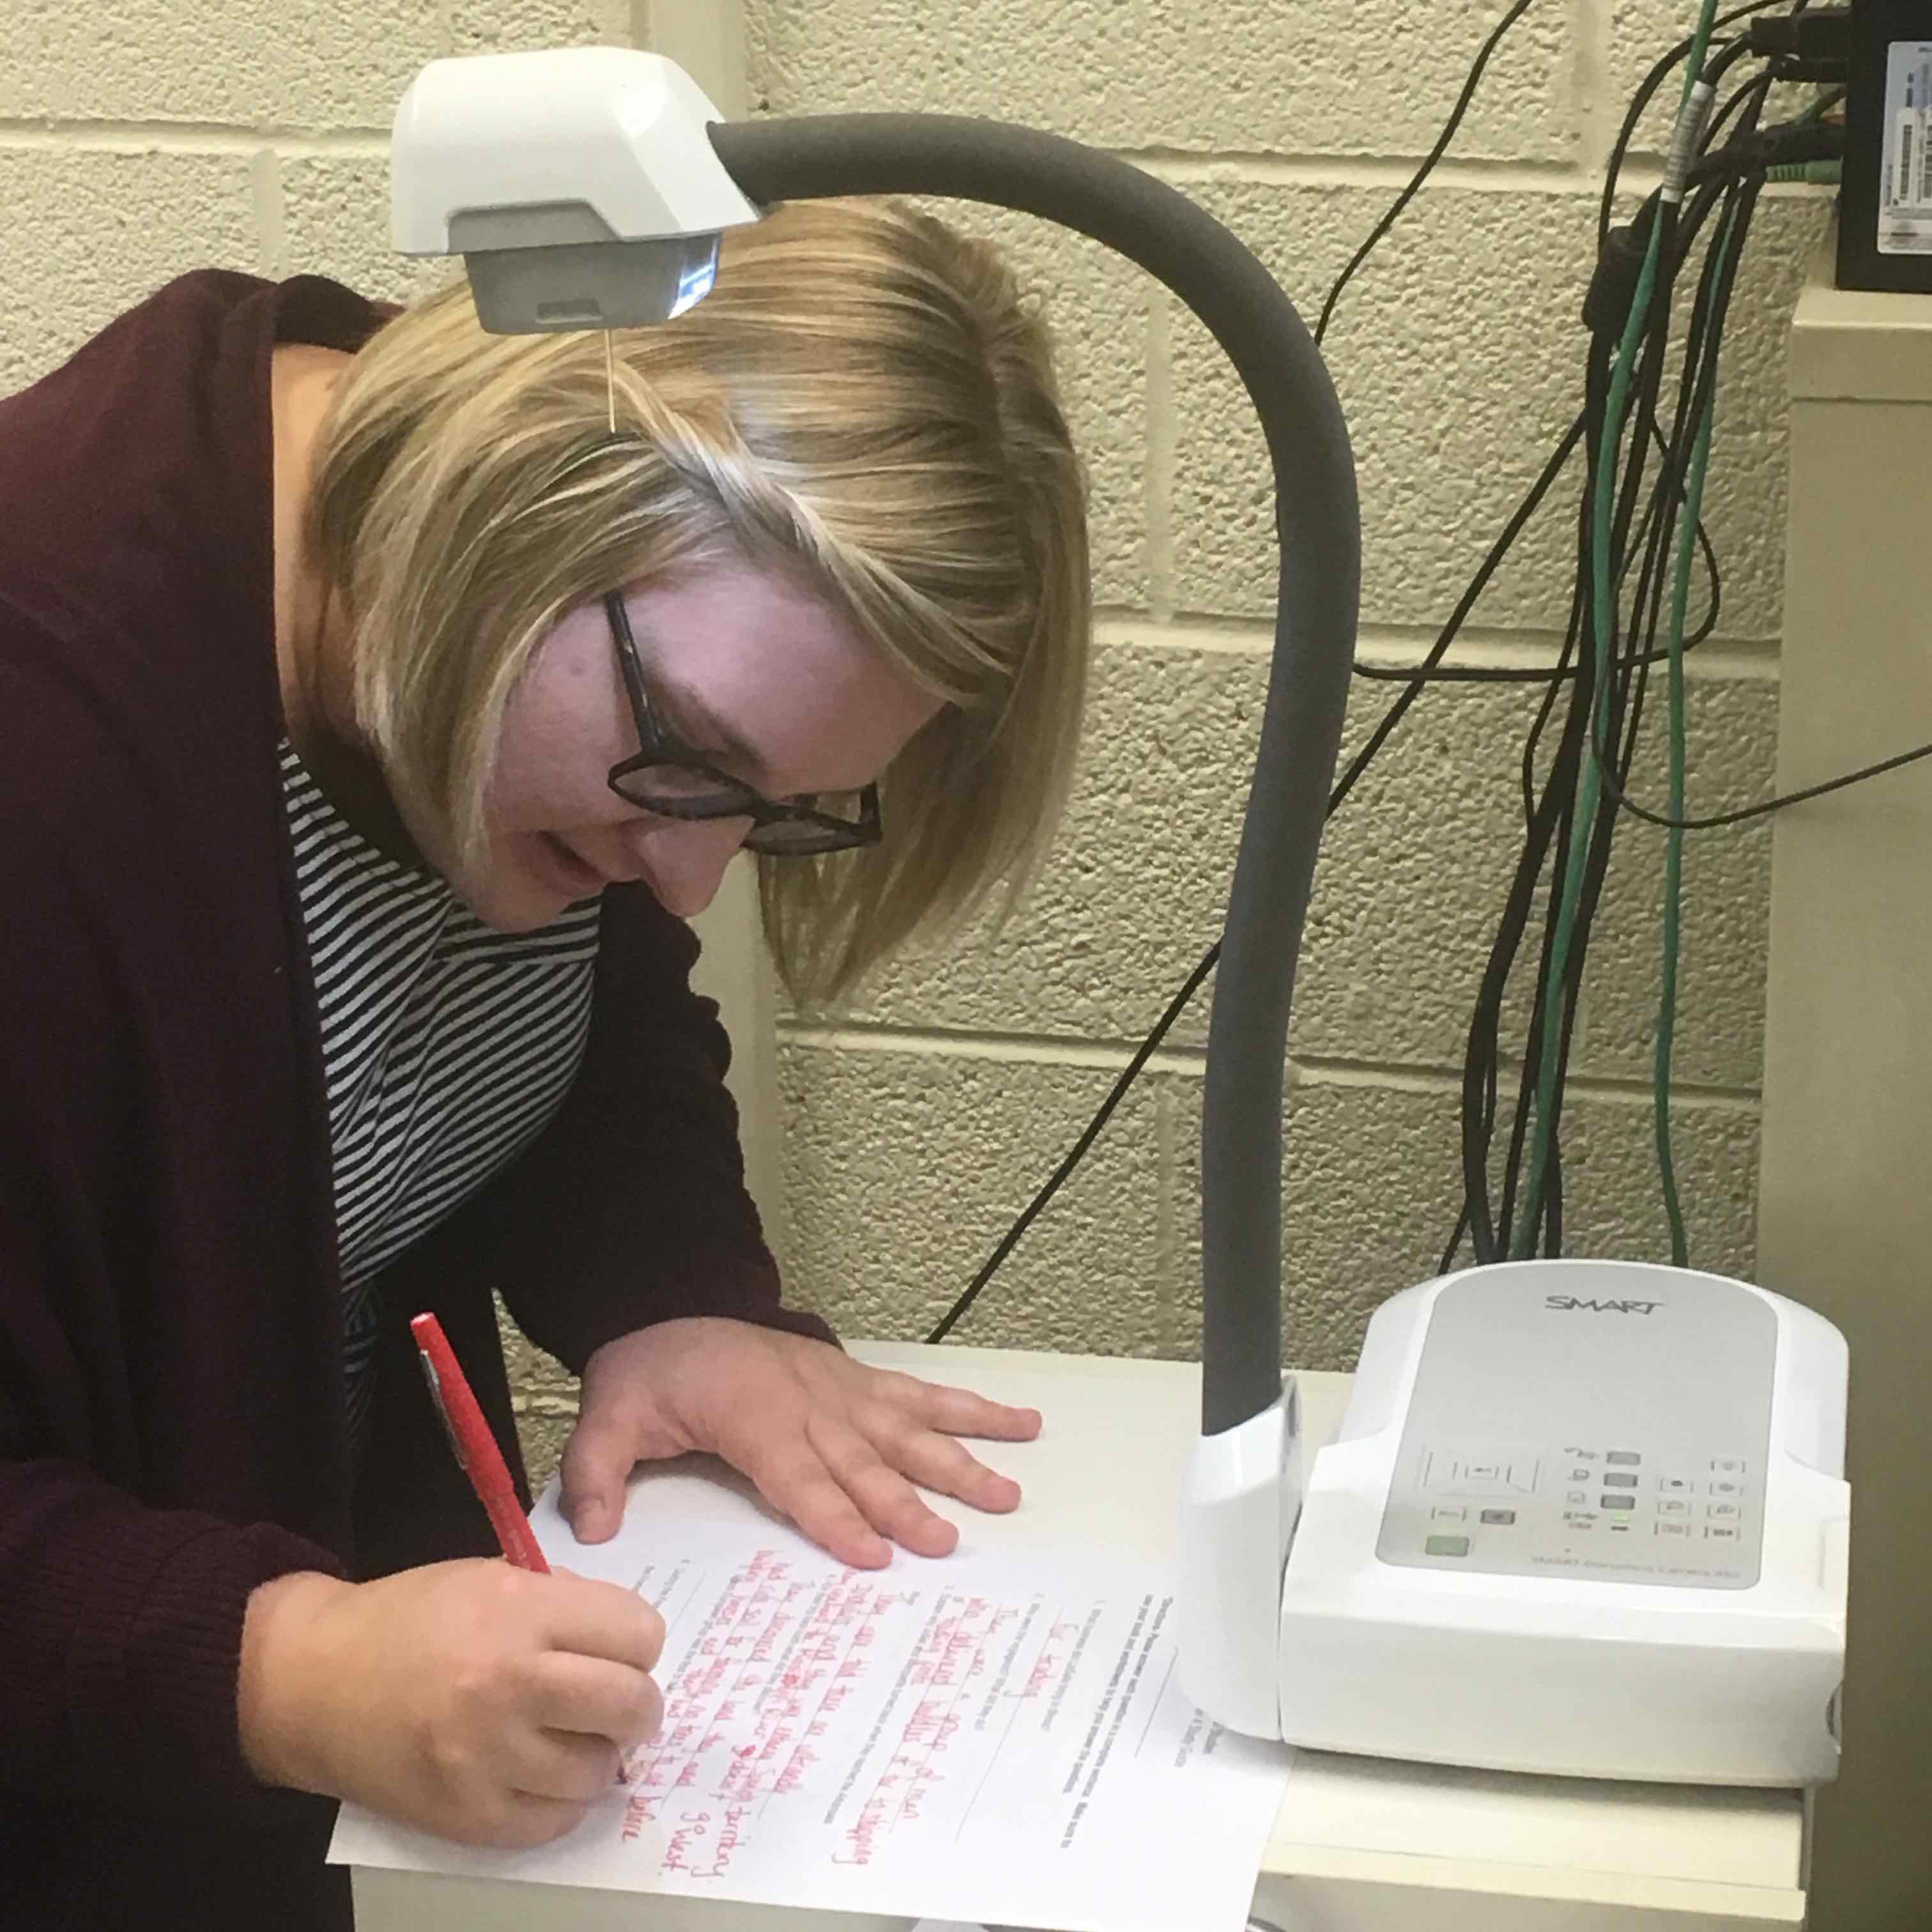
(1545, 819)
(1625, 803)
(1583, 710)
(1739, 101)
(1668, 499)
(1558, 802)
(1419, 679)
(1745, 154)
(1549, 820)
(1480, 1095)
(1552, 827)
(1561, 672)
(1394, 212)
(1077, 1152)
(1595, 872)
(1479, 1067)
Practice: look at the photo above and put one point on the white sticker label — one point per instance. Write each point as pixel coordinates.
(1905, 164)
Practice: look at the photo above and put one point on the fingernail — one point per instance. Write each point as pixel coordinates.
(588, 1520)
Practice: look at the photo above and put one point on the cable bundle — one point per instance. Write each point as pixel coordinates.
(1610, 648)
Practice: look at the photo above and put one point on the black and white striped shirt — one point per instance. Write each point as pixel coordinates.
(446, 1046)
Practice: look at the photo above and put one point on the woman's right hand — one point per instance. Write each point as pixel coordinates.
(470, 1698)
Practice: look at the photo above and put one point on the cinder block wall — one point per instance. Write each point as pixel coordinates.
(169, 134)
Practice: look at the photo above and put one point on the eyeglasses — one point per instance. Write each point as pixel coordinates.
(674, 781)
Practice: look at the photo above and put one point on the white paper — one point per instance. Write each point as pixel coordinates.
(995, 1738)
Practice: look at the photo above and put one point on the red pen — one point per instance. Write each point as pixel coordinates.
(475, 1448)
(477, 1454)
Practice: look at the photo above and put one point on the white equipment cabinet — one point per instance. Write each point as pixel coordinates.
(1845, 1205)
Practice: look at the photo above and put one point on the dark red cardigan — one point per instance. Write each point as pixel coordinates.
(171, 1399)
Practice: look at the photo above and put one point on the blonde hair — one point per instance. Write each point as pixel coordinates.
(864, 401)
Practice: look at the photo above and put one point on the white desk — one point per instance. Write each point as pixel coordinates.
(1361, 1845)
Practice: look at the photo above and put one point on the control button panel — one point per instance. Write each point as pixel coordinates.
(1600, 1423)
(1620, 1514)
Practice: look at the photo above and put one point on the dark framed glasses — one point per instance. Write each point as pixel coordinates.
(669, 779)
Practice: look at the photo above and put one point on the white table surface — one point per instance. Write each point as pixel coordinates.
(1361, 1844)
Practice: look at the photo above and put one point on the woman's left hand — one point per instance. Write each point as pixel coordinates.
(835, 1445)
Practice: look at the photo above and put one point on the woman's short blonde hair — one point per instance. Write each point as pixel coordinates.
(864, 399)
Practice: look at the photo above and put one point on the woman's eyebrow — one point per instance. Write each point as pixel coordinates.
(708, 735)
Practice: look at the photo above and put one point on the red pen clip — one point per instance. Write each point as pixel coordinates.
(474, 1447)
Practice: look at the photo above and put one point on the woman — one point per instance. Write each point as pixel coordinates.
(377, 698)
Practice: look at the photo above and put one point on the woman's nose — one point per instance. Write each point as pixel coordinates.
(684, 861)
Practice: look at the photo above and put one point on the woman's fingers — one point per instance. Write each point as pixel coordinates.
(959, 1412)
(522, 1821)
(793, 1476)
(939, 1461)
(591, 1696)
(570, 1767)
(881, 1492)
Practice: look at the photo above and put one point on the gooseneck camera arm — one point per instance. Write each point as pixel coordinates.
(1318, 528)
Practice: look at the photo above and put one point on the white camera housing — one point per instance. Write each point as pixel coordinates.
(578, 184)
